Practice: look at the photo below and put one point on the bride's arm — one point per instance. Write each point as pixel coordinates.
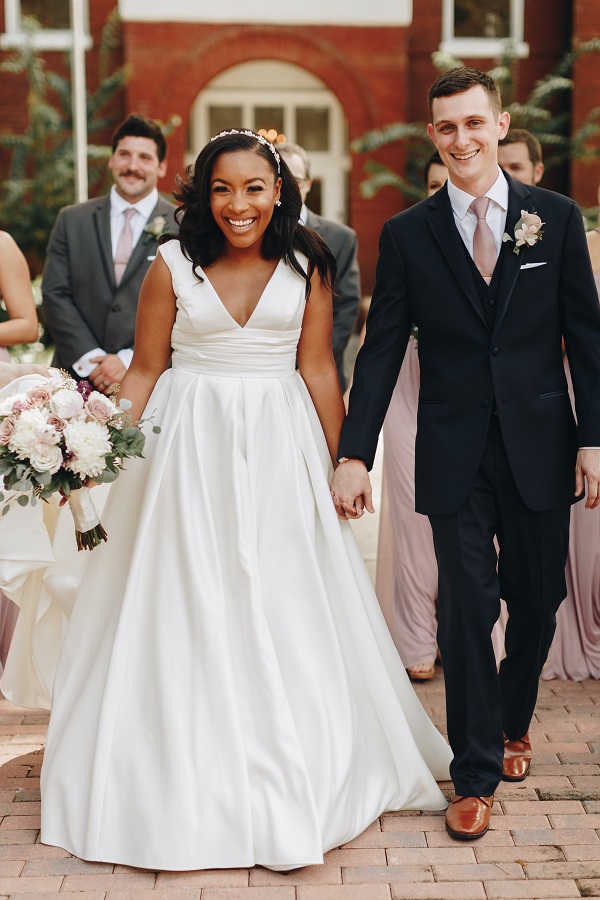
(317, 365)
(153, 325)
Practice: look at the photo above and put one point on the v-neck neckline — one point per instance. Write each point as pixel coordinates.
(258, 302)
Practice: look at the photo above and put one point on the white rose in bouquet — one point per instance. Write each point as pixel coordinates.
(46, 458)
(66, 404)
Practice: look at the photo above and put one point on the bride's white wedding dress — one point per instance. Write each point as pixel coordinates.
(227, 693)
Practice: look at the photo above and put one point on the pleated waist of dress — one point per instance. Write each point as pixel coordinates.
(262, 358)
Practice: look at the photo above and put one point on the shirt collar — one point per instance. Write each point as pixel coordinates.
(461, 200)
(144, 207)
(303, 214)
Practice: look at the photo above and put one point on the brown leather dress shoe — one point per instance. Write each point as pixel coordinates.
(468, 818)
(517, 759)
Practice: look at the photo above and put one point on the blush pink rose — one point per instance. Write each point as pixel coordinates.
(7, 426)
(38, 396)
(57, 423)
(100, 407)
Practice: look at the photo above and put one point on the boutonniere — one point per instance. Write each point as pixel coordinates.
(156, 228)
(528, 231)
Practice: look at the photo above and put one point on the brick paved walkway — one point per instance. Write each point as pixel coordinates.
(544, 842)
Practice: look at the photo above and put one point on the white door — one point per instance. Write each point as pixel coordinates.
(288, 103)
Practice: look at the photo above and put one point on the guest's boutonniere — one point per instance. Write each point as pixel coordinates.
(156, 228)
(528, 231)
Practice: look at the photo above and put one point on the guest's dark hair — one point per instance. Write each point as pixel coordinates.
(522, 136)
(461, 79)
(434, 160)
(202, 240)
(136, 125)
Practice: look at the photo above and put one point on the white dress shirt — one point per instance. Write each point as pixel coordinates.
(143, 208)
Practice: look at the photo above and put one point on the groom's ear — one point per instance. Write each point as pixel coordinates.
(503, 124)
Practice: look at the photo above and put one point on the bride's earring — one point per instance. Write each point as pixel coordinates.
(278, 202)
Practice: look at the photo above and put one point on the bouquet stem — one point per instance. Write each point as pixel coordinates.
(89, 533)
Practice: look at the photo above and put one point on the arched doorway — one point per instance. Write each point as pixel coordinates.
(275, 95)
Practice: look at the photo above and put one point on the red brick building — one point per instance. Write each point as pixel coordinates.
(323, 75)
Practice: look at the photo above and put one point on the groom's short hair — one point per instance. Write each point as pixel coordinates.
(461, 79)
(136, 125)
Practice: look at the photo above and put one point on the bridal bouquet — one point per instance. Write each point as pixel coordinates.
(56, 437)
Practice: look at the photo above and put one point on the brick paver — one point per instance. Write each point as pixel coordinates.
(543, 843)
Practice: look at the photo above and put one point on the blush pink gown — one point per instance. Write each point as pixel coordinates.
(575, 651)
(8, 610)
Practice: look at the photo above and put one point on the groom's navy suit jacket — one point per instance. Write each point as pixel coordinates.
(473, 364)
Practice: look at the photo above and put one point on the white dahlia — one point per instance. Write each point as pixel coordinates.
(87, 444)
(31, 428)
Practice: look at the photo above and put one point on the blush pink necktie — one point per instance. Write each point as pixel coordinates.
(484, 245)
(124, 246)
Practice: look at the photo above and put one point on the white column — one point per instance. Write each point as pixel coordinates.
(78, 100)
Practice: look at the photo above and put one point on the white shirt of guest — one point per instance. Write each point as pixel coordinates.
(144, 207)
(465, 218)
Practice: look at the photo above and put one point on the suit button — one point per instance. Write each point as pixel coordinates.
(491, 302)
(116, 307)
(495, 351)
(485, 404)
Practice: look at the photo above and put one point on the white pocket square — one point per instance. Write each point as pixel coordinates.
(154, 257)
(526, 266)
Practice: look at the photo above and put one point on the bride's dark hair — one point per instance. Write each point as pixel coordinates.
(202, 240)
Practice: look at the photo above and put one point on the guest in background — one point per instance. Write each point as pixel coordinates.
(15, 290)
(343, 243)
(98, 255)
(575, 650)
(520, 154)
(21, 327)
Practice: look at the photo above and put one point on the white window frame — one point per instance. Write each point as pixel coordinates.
(44, 39)
(482, 48)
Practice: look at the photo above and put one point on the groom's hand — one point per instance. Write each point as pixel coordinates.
(588, 469)
(351, 489)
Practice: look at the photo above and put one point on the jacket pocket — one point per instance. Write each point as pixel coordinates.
(553, 394)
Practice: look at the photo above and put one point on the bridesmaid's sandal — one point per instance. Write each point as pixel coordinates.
(421, 671)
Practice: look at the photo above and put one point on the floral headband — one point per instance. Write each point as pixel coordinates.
(258, 137)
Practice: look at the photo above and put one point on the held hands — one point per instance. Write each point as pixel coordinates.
(351, 490)
(587, 469)
(109, 371)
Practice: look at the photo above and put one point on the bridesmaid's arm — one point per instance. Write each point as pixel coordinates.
(317, 365)
(153, 326)
(15, 287)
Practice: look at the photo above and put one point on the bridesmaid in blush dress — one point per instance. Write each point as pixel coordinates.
(575, 651)
(21, 327)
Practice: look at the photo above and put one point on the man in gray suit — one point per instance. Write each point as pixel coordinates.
(343, 243)
(98, 255)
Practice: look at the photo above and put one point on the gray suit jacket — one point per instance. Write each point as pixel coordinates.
(343, 243)
(83, 307)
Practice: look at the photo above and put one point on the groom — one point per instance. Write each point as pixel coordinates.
(498, 453)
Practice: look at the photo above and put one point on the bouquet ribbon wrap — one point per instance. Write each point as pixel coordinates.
(88, 530)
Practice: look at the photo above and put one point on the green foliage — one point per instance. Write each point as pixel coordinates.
(542, 113)
(41, 173)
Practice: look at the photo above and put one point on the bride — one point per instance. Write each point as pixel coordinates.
(227, 693)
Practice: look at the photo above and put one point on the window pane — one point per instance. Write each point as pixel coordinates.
(49, 13)
(312, 127)
(223, 118)
(482, 18)
(269, 118)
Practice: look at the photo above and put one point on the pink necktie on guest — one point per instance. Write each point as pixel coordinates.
(484, 245)
(124, 245)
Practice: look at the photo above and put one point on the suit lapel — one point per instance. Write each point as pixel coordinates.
(518, 199)
(102, 225)
(445, 232)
